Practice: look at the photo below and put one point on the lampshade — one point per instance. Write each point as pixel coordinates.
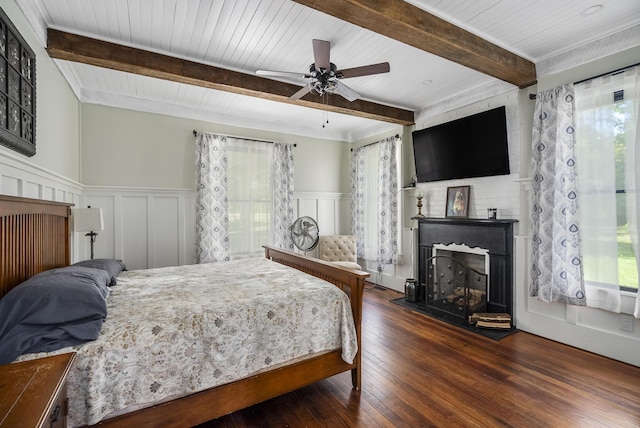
(87, 219)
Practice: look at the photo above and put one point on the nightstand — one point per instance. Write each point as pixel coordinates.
(34, 393)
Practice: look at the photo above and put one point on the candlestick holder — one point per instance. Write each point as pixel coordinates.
(419, 204)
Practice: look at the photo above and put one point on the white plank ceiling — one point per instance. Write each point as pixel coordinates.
(247, 35)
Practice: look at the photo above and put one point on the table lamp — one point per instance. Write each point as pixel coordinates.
(88, 220)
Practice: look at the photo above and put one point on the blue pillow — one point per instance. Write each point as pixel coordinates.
(54, 309)
(114, 267)
(98, 278)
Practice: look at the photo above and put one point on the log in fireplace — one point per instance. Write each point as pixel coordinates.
(465, 265)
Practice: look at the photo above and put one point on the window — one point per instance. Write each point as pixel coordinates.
(250, 197)
(607, 153)
(244, 198)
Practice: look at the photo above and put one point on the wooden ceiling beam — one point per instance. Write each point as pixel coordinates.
(413, 26)
(76, 48)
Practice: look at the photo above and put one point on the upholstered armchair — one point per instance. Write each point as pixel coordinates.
(339, 250)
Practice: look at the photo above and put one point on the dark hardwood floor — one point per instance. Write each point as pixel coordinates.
(420, 372)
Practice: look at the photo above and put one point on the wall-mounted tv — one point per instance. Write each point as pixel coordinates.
(473, 146)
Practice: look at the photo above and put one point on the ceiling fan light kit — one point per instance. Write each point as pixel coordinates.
(325, 76)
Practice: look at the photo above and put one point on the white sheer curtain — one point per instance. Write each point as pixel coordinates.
(556, 269)
(374, 201)
(250, 184)
(212, 221)
(600, 122)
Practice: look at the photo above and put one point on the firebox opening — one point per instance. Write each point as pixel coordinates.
(458, 280)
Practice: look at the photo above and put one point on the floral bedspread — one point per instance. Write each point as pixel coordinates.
(177, 330)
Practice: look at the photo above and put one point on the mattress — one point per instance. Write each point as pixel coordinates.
(174, 331)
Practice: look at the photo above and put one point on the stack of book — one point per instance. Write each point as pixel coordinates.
(491, 320)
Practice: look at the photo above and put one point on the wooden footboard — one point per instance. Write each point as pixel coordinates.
(348, 280)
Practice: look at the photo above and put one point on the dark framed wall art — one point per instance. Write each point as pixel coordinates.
(17, 90)
(458, 201)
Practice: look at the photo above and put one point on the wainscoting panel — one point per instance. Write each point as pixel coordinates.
(306, 206)
(144, 227)
(166, 215)
(33, 190)
(10, 186)
(137, 227)
(330, 210)
(328, 221)
(149, 228)
(20, 177)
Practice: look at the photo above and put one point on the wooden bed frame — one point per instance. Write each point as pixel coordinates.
(35, 236)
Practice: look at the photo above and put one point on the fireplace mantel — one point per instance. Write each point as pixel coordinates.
(496, 236)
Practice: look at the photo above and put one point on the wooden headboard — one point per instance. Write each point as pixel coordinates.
(34, 236)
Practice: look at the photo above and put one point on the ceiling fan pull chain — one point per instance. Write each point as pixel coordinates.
(327, 104)
(325, 114)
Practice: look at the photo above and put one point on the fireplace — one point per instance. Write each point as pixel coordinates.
(465, 265)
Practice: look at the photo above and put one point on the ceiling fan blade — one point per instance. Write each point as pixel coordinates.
(281, 73)
(321, 50)
(301, 93)
(365, 70)
(345, 92)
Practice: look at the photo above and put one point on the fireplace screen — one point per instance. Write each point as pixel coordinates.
(455, 287)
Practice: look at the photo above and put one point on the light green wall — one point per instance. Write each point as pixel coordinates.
(134, 149)
(57, 109)
(128, 148)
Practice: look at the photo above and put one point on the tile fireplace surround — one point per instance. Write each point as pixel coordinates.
(494, 236)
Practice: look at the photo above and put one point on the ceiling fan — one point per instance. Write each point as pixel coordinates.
(324, 75)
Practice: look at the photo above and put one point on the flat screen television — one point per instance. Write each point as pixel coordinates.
(473, 146)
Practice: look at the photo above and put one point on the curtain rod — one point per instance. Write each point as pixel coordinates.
(375, 142)
(244, 138)
(620, 70)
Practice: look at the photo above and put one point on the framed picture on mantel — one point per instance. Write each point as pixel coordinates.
(458, 202)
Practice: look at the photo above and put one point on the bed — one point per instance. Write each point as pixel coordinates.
(35, 238)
